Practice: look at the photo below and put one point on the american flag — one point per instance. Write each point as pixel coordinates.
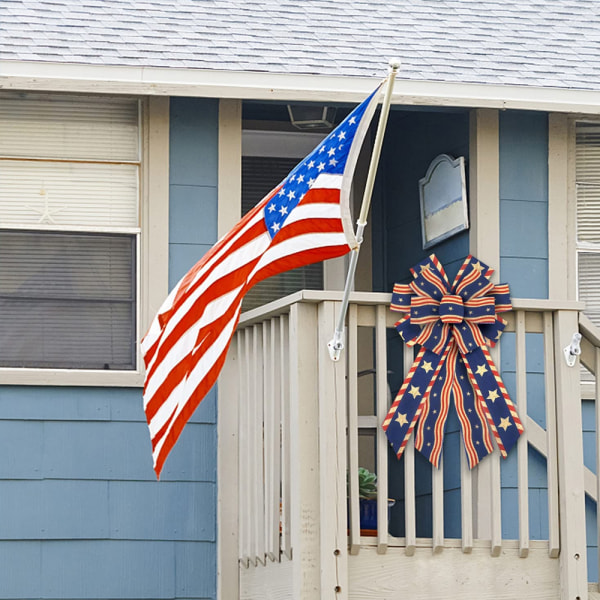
(305, 219)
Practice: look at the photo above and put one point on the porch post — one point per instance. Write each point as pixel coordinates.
(332, 462)
(573, 563)
(304, 453)
(484, 238)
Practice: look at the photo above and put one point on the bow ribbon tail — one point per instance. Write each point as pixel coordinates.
(406, 408)
(475, 433)
(495, 402)
(429, 436)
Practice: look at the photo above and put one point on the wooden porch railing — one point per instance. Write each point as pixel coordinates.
(298, 523)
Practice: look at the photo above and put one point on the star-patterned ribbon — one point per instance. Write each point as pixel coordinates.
(454, 325)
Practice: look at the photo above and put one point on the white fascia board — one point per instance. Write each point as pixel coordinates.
(246, 85)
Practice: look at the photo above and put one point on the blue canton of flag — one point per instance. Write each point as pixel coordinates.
(328, 158)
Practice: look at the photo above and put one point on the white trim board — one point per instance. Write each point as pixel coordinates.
(52, 76)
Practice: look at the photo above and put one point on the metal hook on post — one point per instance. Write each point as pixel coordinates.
(573, 350)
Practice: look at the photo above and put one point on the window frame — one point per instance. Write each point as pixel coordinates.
(151, 255)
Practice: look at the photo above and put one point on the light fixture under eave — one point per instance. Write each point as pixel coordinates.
(311, 117)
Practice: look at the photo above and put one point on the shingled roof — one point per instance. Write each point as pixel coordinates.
(542, 43)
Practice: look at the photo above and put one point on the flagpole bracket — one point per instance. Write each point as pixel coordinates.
(335, 348)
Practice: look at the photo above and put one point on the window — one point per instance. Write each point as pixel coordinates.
(268, 157)
(588, 216)
(70, 172)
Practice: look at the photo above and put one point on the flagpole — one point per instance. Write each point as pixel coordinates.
(336, 345)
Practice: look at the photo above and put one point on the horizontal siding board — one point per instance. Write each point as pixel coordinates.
(121, 450)
(193, 141)
(21, 448)
(523, 147)
(517, 236)
(527, 277)
(165, 510)
(108, 569)
(195, 570)
(192, 214)
(60, 403)
(101, 450)
(53, 510)
(20, 570)
(85, 404)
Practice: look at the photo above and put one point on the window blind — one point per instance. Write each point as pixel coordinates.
(63, 127)
(259, 176)
(68, 194)
(588, 216)
(67, 300)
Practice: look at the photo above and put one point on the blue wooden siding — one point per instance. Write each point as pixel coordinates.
(193, 182)
(524, 265)
(81, 513)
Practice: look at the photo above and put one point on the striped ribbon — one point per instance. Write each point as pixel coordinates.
(454, 325)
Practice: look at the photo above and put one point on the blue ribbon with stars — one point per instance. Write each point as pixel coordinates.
(454, 325)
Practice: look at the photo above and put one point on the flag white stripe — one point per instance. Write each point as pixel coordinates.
(313, 211)
(328, 181)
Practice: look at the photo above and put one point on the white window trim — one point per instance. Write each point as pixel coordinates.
(152, 258)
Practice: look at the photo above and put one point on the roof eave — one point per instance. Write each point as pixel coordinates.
(163, 81)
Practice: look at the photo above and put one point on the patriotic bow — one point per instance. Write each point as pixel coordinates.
(453, 325)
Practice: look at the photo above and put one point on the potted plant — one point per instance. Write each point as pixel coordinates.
(367, 493)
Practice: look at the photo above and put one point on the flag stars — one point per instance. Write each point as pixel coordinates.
(320, 166)
(426, 366)
(311, 181)
(283, 210)
(333, 162)
(352, 121)
(281, 192)
(342, 135)
(321, 149)
(300, 178)
(275, 227)
(311, 164)
(505, 423)
(291, 195)
(331, 151)
(271, 208)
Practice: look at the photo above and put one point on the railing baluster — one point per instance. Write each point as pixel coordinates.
(410, 515)
(551, 453)
(437, 506)
(267, 404)
(284, 334)
(354, 518)
(495, 487)
(382, 443)
(258, 449)
(245, 497)
(466, 504)
(522, 444)
(272, 437)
